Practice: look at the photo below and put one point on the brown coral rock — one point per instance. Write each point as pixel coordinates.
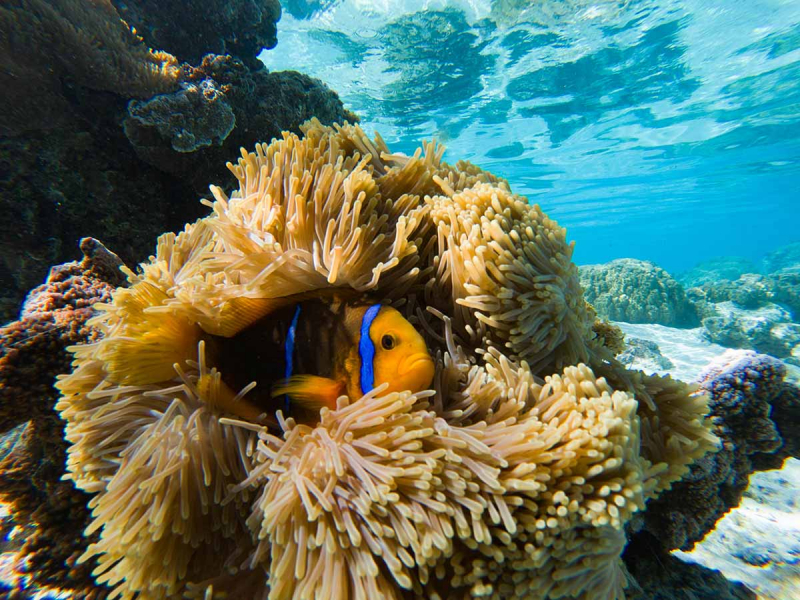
(32, 353)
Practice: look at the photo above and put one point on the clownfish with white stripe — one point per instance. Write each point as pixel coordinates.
(307, 355)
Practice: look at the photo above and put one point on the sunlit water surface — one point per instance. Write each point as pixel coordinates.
(660, 130)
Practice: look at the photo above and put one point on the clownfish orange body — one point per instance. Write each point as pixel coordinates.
(307, 355)
(363, 348)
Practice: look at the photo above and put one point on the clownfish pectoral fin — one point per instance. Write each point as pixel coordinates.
(216, 393)
(309, 391)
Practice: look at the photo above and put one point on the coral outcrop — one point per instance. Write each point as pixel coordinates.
(190, 30)
(783, 259)
(74, 71)
(32, 353)
(715, 270)
(48, 45)
(768, 328)
(756, 417)
(516, 474)
(637, 291)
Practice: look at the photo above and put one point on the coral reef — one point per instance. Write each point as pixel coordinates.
(750, 291)
(637, 291)
(752, 311)
(46, 44)
(747, 291)
(192, 29)
(32, 353)
(67, 167)
(722, 268)
(756, 418)
(784, 258)
(516, 475)
(767, 329)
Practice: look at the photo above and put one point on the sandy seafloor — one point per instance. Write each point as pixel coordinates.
(757, 543)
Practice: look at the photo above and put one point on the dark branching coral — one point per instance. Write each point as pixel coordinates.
(516, 475)
(637, 291)
(756, 417)
(194, 28)
(32, 353)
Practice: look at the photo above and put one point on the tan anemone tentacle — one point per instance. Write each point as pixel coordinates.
(515, 475)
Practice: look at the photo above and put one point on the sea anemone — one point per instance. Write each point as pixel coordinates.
(515, 475)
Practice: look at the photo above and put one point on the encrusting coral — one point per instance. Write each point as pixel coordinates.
(32, 353)
(515, 475)
(756, 416)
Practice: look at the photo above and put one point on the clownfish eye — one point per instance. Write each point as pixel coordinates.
(388, 342)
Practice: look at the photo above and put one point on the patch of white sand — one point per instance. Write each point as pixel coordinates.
(758, 543)
(688, 350)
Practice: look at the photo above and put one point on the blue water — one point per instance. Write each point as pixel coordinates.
(660, 130)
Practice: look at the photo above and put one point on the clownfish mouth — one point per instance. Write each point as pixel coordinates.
(415, 362)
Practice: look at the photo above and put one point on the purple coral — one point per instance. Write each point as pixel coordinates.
(756, 416)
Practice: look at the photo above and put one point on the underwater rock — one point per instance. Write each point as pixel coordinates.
(758, 542)
(191, 118)
(644, 355)
(522, 457)
(784, 258)
(768, 329)
(50, 46)
(636, 291)
(194, 145)
(723, 268)
(748, 291)
(32, 353)
(67, 169)
(658, 575)
(609, 335)
(756, 415)
(190, 30)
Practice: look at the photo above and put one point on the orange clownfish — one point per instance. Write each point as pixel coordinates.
(309, 354)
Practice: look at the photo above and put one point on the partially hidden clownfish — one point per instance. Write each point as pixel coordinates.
(307, 355)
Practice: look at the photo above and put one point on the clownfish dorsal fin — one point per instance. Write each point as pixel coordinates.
(309, 391)
(239, 313)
